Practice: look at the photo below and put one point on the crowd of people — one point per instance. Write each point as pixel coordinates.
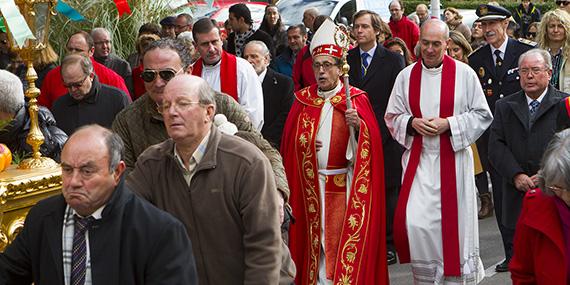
(250, 157)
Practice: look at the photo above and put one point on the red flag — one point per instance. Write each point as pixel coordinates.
(122, 7)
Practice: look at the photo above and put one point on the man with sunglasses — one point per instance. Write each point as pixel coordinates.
(140, 125)
(225, 72)
(87, 100)
(79, 43)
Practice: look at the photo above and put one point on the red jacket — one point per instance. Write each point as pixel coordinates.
(539, 247)
(303, 75)
(52, 87)
(406, 30)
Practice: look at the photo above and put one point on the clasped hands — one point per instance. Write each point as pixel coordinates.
(524, 182)
(430, 127)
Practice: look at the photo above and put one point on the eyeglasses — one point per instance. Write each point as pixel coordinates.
(149, 75)
(325, 65)
(75, 84)
(179, 106)
(533, 71)
(562, 3)
(531, 34)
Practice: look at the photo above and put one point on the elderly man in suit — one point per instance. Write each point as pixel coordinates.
(373, 69)
(524, 124)
(496, 67)
(277, 91)
(97, 232)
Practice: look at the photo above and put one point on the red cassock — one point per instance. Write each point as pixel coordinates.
(361, 238)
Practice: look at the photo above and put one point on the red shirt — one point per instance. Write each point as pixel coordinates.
(52, 87)
(303, 75)
(406, 30)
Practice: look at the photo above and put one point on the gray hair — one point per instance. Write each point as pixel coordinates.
(262, 45)
(11, 93)
(114, 143)
(185, 36)
(555, 165)
(206, 95)
(174, 45)
(537, 51)
(85, 63)
(100, 30)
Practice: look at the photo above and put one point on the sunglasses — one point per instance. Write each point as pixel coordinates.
(149, 75)
(562, 3)
(531, 34)
(75, 84)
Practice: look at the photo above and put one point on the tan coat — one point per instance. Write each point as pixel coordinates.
(230, 209)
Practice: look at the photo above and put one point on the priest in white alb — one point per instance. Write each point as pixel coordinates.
(436, 110)
(227, 73)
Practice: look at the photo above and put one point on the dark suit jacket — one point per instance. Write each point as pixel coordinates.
(277, 101)
(563, 115)
(258, 35)
(378, 83)
(516, 144)
(133, 243)
(496, 86)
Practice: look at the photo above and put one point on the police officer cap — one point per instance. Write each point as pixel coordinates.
(168, 21)
(490, 12)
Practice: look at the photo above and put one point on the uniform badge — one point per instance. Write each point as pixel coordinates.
(489, 92)
(483, 10)
(481, 72)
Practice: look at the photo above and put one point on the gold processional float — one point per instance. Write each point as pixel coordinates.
(35, 178)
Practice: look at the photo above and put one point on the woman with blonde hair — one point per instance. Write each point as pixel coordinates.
(459, 48)
(554, 36)
(454, 21)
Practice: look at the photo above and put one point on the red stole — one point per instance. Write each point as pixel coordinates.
(361, 250)
(449, 211)
(228, 74)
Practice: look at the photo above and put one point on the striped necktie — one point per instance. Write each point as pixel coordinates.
(79, 251)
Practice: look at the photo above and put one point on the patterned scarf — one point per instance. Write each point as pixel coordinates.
(240, 41)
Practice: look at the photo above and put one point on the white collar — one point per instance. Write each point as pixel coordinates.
(370, 52)
(262, 75)
(539, 99)
(502, 48)
(330, 93)
(97, 215)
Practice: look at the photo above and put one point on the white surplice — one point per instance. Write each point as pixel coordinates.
(250, 93)
(471, 117)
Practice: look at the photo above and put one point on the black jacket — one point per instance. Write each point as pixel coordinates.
(133, 243)
(378, 83)
(525, 18)
(258, 35)
(277, 101)
(100, 107)
(14, 135)
(516, 145)
(496, 86)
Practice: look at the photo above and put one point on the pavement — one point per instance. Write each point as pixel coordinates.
(491, 250)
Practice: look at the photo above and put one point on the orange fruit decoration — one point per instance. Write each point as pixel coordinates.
(5, 157)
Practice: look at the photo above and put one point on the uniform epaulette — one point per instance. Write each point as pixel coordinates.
(528, 42)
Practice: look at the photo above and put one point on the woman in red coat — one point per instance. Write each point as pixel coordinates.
(542, 237)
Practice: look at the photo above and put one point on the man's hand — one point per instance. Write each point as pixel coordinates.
(441, 125)
(352, 119)
(424, 127)
(318, 144)
(430, 127)
(523, 183)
